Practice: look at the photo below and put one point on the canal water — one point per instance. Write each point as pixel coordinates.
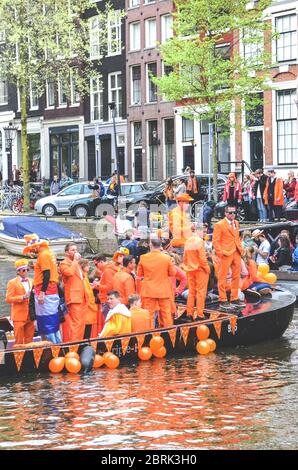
(244, 398)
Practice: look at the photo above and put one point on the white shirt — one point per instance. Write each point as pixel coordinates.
(264, 247)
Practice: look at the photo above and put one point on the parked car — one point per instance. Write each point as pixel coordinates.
(88, 206)
(290, 211)
(61, 202)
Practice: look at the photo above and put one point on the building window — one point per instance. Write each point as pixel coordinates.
(135, 36)
(187, 129)
(136, 84)
(153, 146)
(115, 92)
(96, 100)
(166, 27)
(286, 44)
(3, 91)
(152, 88)
(74, 94)
(114, 33)
(95, 44)
(134, 3)
(33, 97)
(254, 117)
(169, 146)
(150, 32)
(223, 51)
(223, 149)
(50, 87)
(137, 134)
(146, 2)
(286, 117)
(253, 43)
(62, 93)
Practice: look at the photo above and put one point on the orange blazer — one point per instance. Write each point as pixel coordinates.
(194, 257)
(14, 296)
(140, 319)
(91, 306)
(106, 281)
(156, 268)
(73, 280)
(124, 283)
(180, 226)
(225, 239)
(278, 192)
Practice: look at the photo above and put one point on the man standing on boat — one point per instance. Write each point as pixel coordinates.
(124, 280)
(227, 244)
(17, 294)
(180, 223)
(45, 288)
(75, 296)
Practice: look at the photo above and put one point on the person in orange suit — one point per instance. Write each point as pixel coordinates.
(118, 321)
(197, 268)
(140, 318)
(179, 223)
(91, 327)
(17, 294)
(75, 295)
(227, 244)
(156, 269)
(274, 195)
(124, 280)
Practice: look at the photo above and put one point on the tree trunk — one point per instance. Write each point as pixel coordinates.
(25, 153)
(215, 162)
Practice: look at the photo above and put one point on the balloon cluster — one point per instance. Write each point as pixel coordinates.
(71, 362)
(205, 344)
(264, 269)
(156, 349)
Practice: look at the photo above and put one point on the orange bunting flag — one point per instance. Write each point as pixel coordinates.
(140, 340)
(55, 351)
(233, 323)
(37, 353)
(18, 357)
(172, 335)
(185, 333)
(109, 344)
(214, 316)
(124, 345)
(73, 348)
(217, 326)
(93, 344)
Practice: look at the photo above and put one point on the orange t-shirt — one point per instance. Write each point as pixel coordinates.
(46, 260)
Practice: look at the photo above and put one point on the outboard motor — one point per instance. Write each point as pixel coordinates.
(87, 358)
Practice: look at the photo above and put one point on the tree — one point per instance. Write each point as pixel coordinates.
(47, 40)
(211, 80)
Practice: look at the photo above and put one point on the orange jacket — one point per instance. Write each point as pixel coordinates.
(278, 192)
(91, 307)
(14, 296)
(157, 269)
(72, 276)
(106, 281)
(124, 283)
(180, 226)
(195, 255)
(140, 319)
(226, 240)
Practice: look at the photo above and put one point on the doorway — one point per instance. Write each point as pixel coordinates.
(256, 150)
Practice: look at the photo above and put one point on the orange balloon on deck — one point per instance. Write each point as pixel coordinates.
(72, 354)
(203, 332)
(270, 278)
(161, 352)
(56, 364)
(72, 365)
(263, 268)
(98, 361)
(112, 361)
(145, 354)
(212, 344)
(156, 343)
(203, 347)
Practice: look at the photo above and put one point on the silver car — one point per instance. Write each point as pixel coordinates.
(60, 202)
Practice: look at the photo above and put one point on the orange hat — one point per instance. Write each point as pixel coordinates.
(122, 251)
(21, 264)
(33, 241)
(184, 198)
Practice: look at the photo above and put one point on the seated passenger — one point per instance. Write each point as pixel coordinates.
(140, 318)
(118, 320)
(282, 257)
(254, 283)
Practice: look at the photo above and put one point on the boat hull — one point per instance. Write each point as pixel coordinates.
(16, 246)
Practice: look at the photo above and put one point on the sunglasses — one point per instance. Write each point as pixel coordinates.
(231, 212)
(23, 270)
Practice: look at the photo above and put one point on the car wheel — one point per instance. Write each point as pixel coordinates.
(196, 211)
(49, 210)
(81, 212)
(240, 214)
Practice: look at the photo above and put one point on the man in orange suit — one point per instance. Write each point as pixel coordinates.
(17, 294)
(197, 268)
(156, 269)
(227, 244)
(180, 223)
(75, 296)
(124, 280)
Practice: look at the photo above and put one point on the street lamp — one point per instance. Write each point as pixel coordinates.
(112, 107)
(10, 135)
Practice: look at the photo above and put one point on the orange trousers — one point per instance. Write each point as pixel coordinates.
(226, 262)
(163, 306)
(23, 331)
(74, 326)
(197, 290)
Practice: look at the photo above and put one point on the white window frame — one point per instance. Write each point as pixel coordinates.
(4, 97)
(134, 3)
(60, 94)
(292, 119)
(75, 99)
(150, 42)
(98, 90)
(48, 82)
(275, 42)
(114, 23)
(94, 38)
(33, 96)
(133, 102)
(134, 45)
(118, 91)
(148, 83)
(166, 33)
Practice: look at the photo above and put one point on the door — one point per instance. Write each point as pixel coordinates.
(256, 150)
(189, 157)
(106, 161)
(138, 165)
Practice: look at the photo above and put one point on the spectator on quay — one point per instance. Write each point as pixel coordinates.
(284, 233)
(295, 255)
(130, 243)
(259, 188)
(169, 194)
(290, 186)
(245, 195)
(55, 186)
(232, 191)
(253, 212)
(263, 251)
(142, 219)
(65, 181)
(193, 186)
(113, 188)
(273, 195)
(16, 175)
(208, 212)
(180, 187)
(282, 257)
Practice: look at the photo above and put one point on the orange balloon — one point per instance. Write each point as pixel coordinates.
(112, 361)
(203, 332)
(263, 268)
(72, 354)
(72, 365)
(271, 278)
(56, 364)
(106, 354)
(98, 361)
(156, 343)
(145, 354)
(212, 344)
(203, 347)
(161, 352)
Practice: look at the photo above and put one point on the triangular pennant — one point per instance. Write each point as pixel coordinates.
(233, 323)
(73, 348)
(93, 344)
(109, 344)
(214, 316)
(140, 340)
(172, 335)
(18, 357)
(124, 345)
(37, 353)
(185, 333)
(55, 351)
(217, 326)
